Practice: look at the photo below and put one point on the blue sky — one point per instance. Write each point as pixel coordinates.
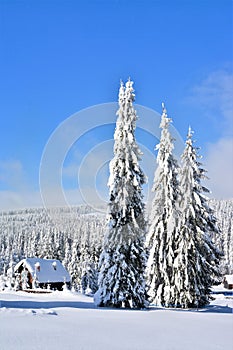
(59, 57)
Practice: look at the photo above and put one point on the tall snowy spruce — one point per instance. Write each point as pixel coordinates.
(123, 260)
(197, 260)
(163, 233)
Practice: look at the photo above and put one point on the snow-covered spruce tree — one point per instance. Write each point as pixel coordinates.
(223, 209)
(163, 232)
(123, 260)
(197, 260)
(74, 266)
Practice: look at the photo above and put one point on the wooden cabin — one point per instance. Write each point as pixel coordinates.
(41, 273)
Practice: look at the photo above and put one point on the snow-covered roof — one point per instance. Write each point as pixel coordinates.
(46, 270)
(229, 279)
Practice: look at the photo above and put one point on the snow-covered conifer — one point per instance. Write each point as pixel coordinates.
(164, 221)
(68, 256)
(122, 262)
(223, 209)
(197, 259)
(74, 266)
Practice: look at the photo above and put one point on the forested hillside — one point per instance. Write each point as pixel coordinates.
(75, 237)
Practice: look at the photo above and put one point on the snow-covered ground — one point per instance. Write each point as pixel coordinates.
(66, 320)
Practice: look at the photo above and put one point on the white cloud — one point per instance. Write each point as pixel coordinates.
(214, 96)
(13, 200)
(12, 174)
(219, 163)
(15, 191)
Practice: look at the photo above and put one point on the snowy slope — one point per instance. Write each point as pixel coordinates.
(65, 320)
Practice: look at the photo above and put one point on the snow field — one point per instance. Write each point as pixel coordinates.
(68, 320)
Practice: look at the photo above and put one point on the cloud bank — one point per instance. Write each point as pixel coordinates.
(215, 96)
(219, 163)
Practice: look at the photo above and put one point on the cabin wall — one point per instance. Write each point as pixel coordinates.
(54, 286)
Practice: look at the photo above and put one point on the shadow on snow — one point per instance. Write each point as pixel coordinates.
(208, 309)
(26, 304)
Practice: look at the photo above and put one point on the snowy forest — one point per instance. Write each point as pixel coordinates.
(76, 237)
(172, 254)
